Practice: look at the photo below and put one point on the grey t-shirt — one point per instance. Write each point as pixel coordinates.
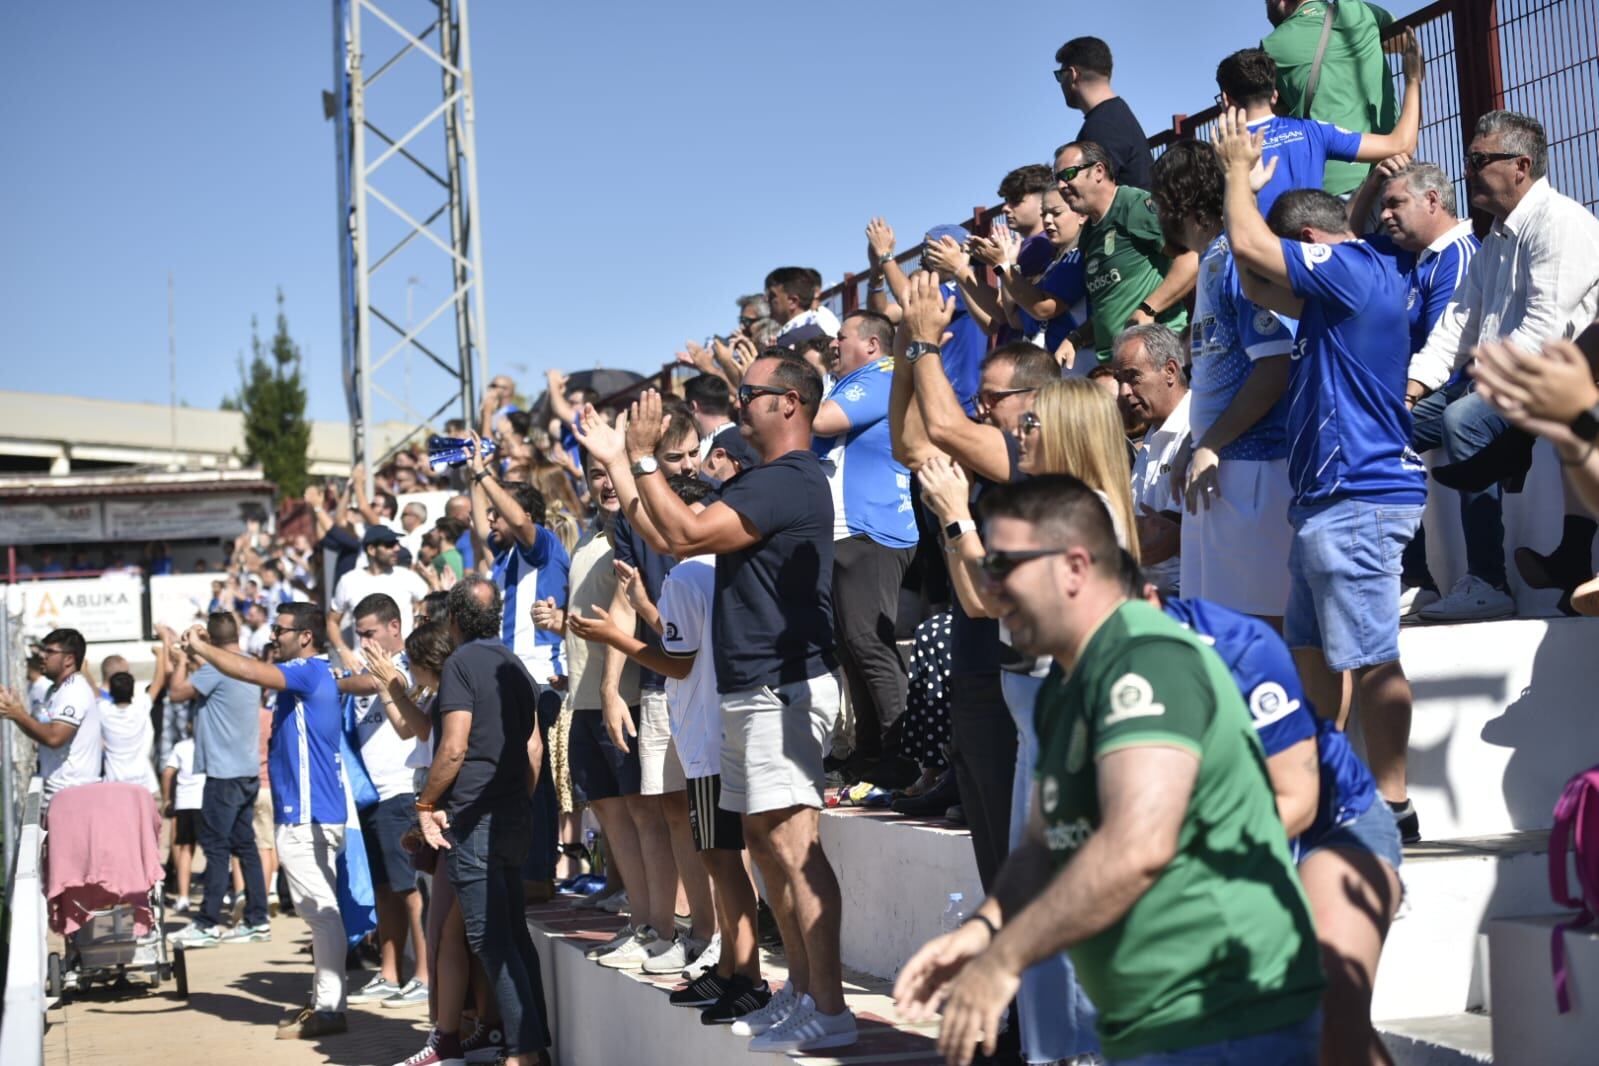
(227, 725)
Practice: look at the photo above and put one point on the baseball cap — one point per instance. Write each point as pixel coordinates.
(378, 535)
(737, 448)
(959, 234)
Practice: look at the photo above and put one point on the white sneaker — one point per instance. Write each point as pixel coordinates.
(180, 905)
(674, 957)
(623, 935)
(1413, 601)
(808, 1029)
(633, 953)
(705, 961)
(779, 1007)
(615, 904)
(1471, 600)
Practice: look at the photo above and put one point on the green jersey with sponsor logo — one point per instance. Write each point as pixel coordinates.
(1123, 262)
(1221, 946)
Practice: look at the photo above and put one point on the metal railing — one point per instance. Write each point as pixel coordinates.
(1539, 57)
(22, 1026)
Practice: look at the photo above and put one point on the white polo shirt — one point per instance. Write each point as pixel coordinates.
(77, 762)
(693, 703)
(1152, 483)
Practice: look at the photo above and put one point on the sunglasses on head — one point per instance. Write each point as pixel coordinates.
(747, 393)
(1478, 160)
(998, 565)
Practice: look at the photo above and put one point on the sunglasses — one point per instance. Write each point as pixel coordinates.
(1478, 160)
(1030, 423)
(1063, 75)
(998, 565)
(278, 631)
(747, 393)
(1066, 174)
(990, 397)
(748, 320)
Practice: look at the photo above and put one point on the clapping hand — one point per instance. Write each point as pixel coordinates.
(928, 311)
(601, 440)
(1241, 149)
(548, 615)
(628, 577)
(946, 256)
(1415, 65)
(378, 662)
(1540, 394)
(599, 628)
(645, 425)
(879, 241)
(945, 489)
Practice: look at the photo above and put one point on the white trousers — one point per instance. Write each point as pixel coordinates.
(307, 855)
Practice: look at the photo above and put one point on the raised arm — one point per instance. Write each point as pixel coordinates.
(1254, 245)
(604, 630)
(232, 664)
(1376, 146)
(486, 491)
(880, 252)
(975, 445)
(982, 303)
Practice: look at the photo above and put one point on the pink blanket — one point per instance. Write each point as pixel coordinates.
(102, 848)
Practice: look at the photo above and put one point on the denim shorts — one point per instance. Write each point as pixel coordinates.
(1372, 830)
(1343, 569)
(1292, 1045)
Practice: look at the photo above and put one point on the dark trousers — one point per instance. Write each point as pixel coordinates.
(544, 847)
(1462, 424)
(484, 866)
(227, 830)
(984, 739)
(866, 581)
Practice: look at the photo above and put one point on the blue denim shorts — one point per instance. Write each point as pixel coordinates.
(1372, 830)
(1343, 569)
(1292, 1045)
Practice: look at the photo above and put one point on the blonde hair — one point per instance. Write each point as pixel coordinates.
(559, 520)
(1081, 434)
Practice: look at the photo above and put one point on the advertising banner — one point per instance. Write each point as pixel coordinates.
(182, 517)
(180, 600)
(39, 522)
(110, 607)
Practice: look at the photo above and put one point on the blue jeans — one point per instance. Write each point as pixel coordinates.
(227, 830)
(484, 866)
(1057, 1018)
(1463, 424)
(1292, 1045)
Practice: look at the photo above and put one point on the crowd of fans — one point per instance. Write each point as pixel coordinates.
(1094, 552)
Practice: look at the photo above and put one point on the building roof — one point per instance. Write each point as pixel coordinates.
(100, 484)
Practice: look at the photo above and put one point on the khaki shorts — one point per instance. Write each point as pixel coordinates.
(265, 830)
(773, 741)
(660, 770)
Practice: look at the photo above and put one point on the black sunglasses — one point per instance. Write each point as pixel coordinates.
(990, 397)
(1063, 75)
(998, 565)
(1478, 160)
(1065, 174)
(278, 631)
(746, 393)
(1030, 422)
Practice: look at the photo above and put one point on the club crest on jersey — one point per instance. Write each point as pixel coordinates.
(1317, 253)
(671, 631)
(1132, 696)
(1266, 322)
(1110, 243)
(1049, 794)
(1269, 703)
(855, 393)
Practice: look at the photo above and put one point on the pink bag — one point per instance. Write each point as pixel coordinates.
(1576, 827)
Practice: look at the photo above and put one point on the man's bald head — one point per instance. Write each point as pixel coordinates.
(113, 664)
(459, 507)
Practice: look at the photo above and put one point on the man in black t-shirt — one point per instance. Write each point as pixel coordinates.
(1084, 76)
(475, 805)
(772, 533)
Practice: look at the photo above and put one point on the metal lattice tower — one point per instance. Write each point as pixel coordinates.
(408, 215)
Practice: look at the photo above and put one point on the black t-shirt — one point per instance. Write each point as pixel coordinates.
(774, 600)
(1113, 126)
(975, 647)
(632, 549)
(485, 678)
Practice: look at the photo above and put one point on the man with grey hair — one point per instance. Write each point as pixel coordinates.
(1433, 248)
(751, 309)
(1152, 389)
(1535, 279)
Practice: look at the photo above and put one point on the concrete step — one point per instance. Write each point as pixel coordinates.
(1452, 1040)
(1527, 1027)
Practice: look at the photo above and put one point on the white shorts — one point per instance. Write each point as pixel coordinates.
(1236, 552)
(773, 741)
(660, 770)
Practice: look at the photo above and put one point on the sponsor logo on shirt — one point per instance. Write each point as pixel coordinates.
(1298, 351)
(1103, 282)
(855, 392)
(1069, 836)
(1269, 703)
(1049, 794)
(1131, 696)
(1316, 253)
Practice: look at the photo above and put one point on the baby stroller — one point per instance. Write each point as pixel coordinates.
(103, 880)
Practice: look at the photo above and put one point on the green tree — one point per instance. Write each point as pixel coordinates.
(272, 397)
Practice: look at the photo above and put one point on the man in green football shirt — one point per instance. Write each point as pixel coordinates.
(1126, 269)
(1353, 87)
(1154, 854)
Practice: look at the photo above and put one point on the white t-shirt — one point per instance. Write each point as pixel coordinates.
(255, 641)
(405, 587)
(421, 756)
(693, 703)
(189, 787)
(385, 754)
(1152, 484)
(38, 693)
(77, 762)
(129, 737)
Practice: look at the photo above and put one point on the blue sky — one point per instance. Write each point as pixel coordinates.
(640, 165)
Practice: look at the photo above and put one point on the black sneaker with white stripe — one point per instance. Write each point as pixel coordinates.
(742, 997)
(703, 991)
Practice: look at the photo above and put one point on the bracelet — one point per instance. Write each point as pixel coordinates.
(425, 808)
(1579, 460)
(993, 930)
(479, 476)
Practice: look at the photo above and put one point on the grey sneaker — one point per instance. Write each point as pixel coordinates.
(194, 936)
(374, 991)
(632, 954)
(676, 956)
(412, 993)
(247, 934)
(623, 935)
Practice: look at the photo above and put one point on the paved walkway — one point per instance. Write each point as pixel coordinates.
(237, 994)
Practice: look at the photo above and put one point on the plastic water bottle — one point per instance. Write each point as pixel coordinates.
(454, 451)
(955, 913)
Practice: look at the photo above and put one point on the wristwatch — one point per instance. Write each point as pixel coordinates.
(1004, 269)
(916, 349)
(1586, 424)
(956, 530)
(1148, 310)
(646, 465)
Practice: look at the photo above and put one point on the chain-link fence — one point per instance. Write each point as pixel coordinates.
(17, 755)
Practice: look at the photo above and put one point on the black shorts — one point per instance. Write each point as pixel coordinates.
(600, 769)
(187, 827)
(713, 827)
(381, 829)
